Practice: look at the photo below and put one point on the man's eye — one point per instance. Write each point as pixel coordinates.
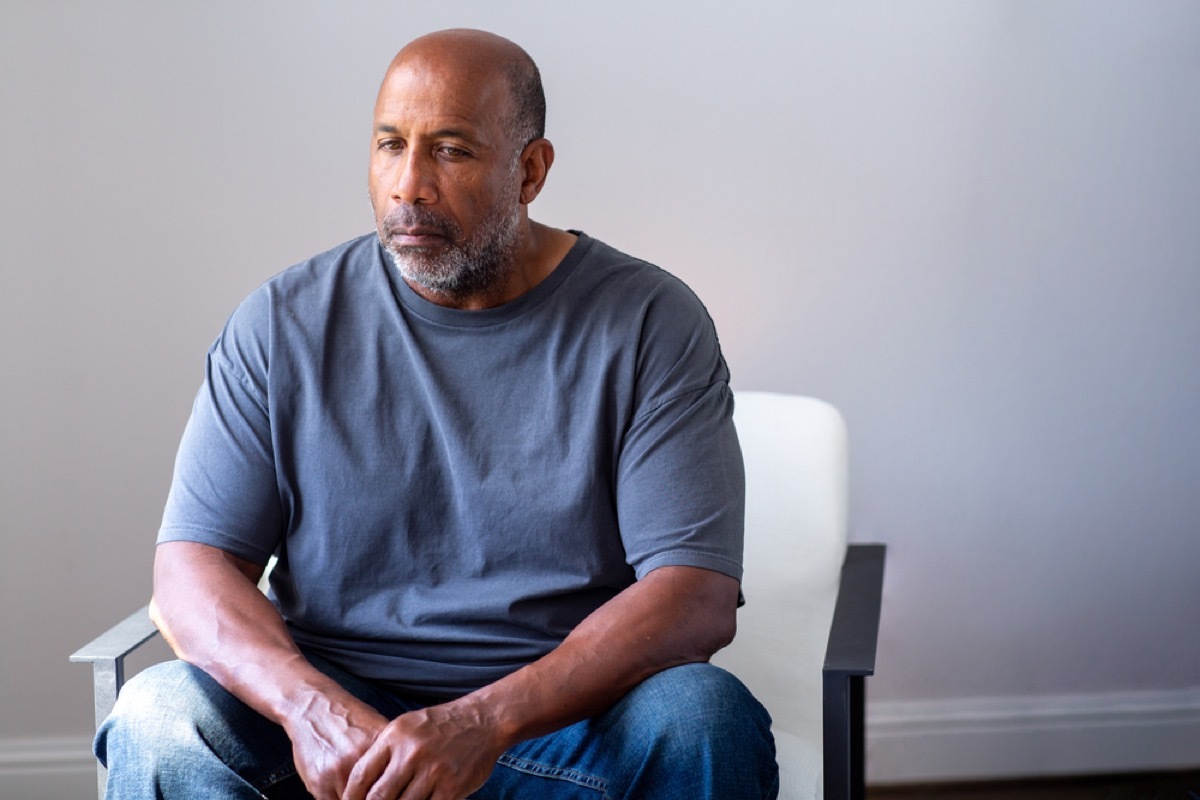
(390, 144)
(453, 152)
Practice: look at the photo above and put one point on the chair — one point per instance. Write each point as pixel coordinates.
(806, 637)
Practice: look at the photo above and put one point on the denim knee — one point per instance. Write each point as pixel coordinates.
(174, 728)
(701, 721)
(145, 713)
(703, 701)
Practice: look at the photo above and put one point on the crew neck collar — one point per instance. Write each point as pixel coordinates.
(496, 315)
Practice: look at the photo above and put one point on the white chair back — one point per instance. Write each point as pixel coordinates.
(796, 492)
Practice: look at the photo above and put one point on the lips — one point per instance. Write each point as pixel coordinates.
(407, 226)
(416, 237)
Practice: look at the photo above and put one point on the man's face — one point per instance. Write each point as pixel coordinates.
(445, 176)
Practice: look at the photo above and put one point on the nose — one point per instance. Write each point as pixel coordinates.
(414, 181)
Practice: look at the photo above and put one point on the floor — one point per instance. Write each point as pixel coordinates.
(1167, 786)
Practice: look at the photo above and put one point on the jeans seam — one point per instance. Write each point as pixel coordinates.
(593, 782)
(276, 777)
(271, 778)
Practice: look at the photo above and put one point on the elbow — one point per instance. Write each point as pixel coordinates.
(715, 631)
(730, 629)
(714, 613)
(722, 606)
(724, 629)
(158, 615)
(160, 620)
(155, 614)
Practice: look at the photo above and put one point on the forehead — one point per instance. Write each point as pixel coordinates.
(419, 92)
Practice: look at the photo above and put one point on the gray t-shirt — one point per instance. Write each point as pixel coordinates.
(451, 492)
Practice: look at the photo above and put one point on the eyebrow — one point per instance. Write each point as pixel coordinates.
(441, 133)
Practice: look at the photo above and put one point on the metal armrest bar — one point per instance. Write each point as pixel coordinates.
(120, 640)
(854, 633)
(107, 654)
(849, 658)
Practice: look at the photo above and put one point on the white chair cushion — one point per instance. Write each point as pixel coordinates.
(795, 454)
(800, 766)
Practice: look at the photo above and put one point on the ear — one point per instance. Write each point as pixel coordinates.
(536, 160)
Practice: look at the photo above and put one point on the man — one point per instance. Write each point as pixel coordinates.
(496, 463)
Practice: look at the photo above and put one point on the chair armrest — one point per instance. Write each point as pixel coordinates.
(854, 634)
(120, 640)
(849, 658)
(107, 654)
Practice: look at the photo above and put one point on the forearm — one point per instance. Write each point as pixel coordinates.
(210, 611)
(674, 616)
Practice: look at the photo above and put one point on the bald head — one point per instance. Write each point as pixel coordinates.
(484, 56)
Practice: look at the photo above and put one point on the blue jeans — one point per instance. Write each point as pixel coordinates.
(687, 733)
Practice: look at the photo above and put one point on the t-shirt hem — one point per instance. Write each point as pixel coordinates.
(211, 538)
(683, 558)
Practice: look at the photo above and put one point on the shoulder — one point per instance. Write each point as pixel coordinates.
(676, 341)
(604, 261)
(315, 281)
(301, 296)
(313, 278)
(611, 275)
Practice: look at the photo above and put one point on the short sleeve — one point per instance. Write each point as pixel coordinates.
(224, 491)
(680, 480)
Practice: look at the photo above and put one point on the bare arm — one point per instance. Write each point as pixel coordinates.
(673, 616)
(210, 611)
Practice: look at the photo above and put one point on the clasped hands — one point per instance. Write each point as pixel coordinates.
(348, 751)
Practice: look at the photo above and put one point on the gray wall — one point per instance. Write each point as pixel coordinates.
(972, 226)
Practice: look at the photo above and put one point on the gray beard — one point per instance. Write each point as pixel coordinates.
(463, 269)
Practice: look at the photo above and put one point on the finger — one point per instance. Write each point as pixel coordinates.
(417, 789)
(366, 773)
(326, 784)
(397, 781)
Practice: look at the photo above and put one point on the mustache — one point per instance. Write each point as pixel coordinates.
(409, 219)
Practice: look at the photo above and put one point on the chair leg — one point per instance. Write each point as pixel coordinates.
(849, 659)
(844, 734)
(858, 759)
(836, 736)
(108, 676)
(106, 653)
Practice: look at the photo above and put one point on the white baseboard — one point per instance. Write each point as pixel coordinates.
(47, 769)
(1018, 737)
